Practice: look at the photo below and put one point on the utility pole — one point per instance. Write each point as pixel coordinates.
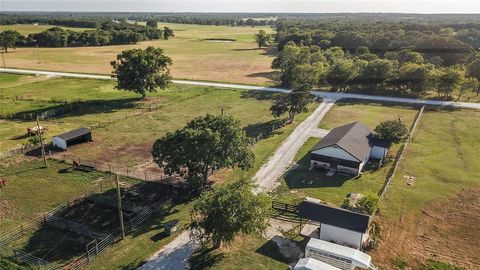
(38, 55)
(120, 214)
(41, 142)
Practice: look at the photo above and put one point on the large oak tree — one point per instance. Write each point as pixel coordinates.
(227, 211)
(206, 143)
(142, 71)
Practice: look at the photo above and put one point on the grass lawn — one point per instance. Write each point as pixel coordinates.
(442, 204)
(193, 57)
(369, 113)
(334, 189)
(26, 29)
(180, 104)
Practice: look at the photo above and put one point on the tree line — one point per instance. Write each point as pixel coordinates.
(108, 33)
(404, 72)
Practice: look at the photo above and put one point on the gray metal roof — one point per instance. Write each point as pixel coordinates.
(355, 138)
(72, 134)
(312, 264)
(312, 210)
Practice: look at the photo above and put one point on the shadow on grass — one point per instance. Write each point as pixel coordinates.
(206, 258)
(258, 95)
(271, 75)
(86, 108)
(98, 214)
(270, 249)
(256, 129)
(296, 176)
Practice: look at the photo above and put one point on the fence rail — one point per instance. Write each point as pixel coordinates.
(39, 263)
(71, 226)
(284, 207)
(398, 158)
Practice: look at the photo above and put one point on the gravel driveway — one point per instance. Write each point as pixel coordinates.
(266, 178)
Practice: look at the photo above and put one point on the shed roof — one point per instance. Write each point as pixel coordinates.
(355, 138)
(72, 134)
(338, 217)
(312, 264)
(358, 258)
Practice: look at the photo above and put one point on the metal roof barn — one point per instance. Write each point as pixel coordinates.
(63, 140)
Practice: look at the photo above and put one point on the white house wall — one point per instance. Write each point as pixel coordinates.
(336, 152)
(59, 142)
(340, 236)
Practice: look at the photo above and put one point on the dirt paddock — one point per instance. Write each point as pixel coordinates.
(446, 231)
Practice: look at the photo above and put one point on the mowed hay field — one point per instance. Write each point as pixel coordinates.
(193, 57)
(335, 188)
(438, 216)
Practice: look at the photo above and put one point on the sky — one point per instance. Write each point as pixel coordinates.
(290, 6)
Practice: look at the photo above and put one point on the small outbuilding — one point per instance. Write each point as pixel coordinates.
(347, 149)
(313, 264)
(62, 141)
(336, 225)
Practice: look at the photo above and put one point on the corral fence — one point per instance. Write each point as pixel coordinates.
(16, 151)
(147, 176)
(399, 157)
(99, 243)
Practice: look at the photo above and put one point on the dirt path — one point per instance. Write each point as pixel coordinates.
(174, 255)
(266, 178)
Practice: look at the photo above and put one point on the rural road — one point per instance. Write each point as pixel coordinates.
(266, 178)
(327, 95)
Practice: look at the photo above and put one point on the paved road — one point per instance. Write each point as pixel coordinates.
(329, 95)
(266, 178)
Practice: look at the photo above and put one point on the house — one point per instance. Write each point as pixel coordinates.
(336, 225)
(338, 256)
(62, 141)
(347, 149)
(313, 264)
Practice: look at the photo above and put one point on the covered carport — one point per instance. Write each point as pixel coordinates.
(63, 140)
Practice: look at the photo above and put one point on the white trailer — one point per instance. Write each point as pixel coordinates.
(339, 256)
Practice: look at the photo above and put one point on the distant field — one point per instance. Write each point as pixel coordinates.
(439, 212)
(26, 29)
(193, 56)
(334, 189)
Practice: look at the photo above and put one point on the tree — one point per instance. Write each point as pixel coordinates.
(153, 24)
(227, 211)
(167, 33)
(468, 85)
(392, 131)
(308, 76)
(449, 80)
(294, 102)
(142, 71)
(341, 73)
(473, 68)
(8, 39)
(368, 204)
(263, 39)
(205, 144)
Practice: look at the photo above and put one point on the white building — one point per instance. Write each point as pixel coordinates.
(313, 264)
(347, 149)
(338, 256)
(337, 225)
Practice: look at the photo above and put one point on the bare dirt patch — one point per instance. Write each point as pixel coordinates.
(446, 231)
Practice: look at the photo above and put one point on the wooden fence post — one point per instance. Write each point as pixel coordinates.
(145, 176)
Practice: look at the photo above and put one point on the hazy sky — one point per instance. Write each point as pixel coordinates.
(408, 6)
